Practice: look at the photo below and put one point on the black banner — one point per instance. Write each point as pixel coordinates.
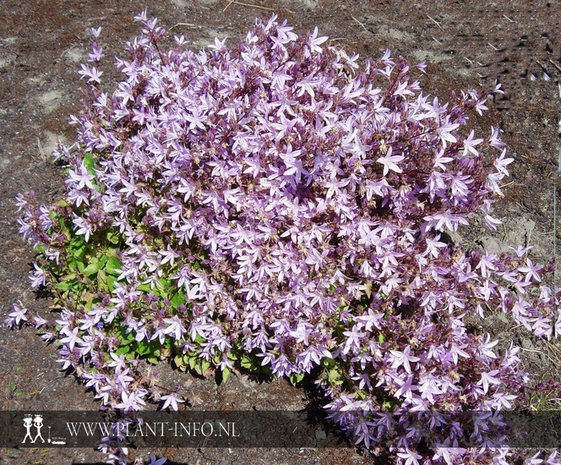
(269, 429)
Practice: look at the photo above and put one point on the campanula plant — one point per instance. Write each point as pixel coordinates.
(276, 206)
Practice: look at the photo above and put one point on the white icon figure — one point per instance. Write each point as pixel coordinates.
(27, 423)
(38, 423)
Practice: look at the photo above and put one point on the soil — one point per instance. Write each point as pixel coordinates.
(467, 44)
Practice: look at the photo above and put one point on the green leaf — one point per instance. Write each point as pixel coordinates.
(102, 261)
(180, 362)
(202, 367)
(65, 226)
(164, 282)
(80, 253)
(247, 362)
(296, 378)
(76, 265)
(334, 377)
(122, 350)
(144, 287)
(65, 285)
(178, 299)
(89, 302)
(113, 238)
(77, 242)
(360, 394)
(124, 337)
(142, 348)
(113, 266)
(89, 163)
(111, 280)
(92, 268)
(102, 281)
(222, 375)
(77, 246)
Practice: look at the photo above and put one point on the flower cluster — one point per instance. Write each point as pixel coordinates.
(277, 202)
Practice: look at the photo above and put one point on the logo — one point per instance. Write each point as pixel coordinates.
(30, 423)
(33, 425)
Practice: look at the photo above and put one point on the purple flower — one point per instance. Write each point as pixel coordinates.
(390, 162)
(175, 328)
(95, 31)
(403, 358)
(17, 316)
(170, 400)
(409, 457)
(71, 337)
(154, 461)
(92, 73)
(131, 401)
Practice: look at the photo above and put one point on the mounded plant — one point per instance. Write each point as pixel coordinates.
(275, 206)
